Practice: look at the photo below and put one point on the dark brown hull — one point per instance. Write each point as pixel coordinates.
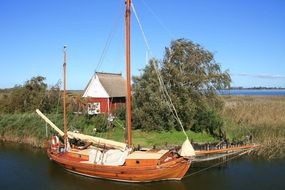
(171, 170)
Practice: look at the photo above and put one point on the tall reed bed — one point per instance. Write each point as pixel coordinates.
(261, 116)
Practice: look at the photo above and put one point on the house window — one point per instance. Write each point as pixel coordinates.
(94, 108)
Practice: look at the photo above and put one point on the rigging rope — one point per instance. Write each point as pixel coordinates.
(108, 42)
(59, 95)
(158, 19)
(160, 79)
(106, 47)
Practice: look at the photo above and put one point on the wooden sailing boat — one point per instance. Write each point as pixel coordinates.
(114, 160)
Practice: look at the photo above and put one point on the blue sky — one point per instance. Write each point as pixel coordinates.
(246, 36)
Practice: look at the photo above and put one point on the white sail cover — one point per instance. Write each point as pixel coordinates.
(114, 157)
(187, 149)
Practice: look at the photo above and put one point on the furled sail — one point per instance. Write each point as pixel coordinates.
(187, 149)
(97, 140)
(87, 138)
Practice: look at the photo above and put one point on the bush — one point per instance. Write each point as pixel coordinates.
(120, 112)
(207, 120)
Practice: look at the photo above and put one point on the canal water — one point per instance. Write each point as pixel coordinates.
(23, 167)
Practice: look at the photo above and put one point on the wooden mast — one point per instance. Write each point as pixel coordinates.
(128, 71)
(64, 98)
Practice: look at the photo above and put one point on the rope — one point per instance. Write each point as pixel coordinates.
(141, 28)
(46, 130)
(160, 79)
(58, 98)
(214, 157)
(106, 47)
(220, 163)
(158, 19)
(108, 42)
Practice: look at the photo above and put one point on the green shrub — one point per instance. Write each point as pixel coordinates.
(207, 120)
(120, 112)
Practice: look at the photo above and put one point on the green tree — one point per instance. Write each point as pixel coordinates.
(34, 93)
(30, 96)
(192, 77)
(15, 101)
(52, 100)
(150, 112)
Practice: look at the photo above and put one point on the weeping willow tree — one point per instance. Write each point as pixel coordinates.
(192, 77)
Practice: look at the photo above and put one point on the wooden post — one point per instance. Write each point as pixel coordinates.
(64, 99)
(128, 71)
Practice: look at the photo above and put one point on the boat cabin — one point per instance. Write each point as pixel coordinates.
(105, 92)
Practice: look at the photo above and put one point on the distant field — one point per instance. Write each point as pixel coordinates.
(75, 92)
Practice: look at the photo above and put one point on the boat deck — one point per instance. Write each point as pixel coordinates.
(147, 155)
(84, 152)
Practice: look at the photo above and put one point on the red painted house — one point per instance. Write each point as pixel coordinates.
(105, 92)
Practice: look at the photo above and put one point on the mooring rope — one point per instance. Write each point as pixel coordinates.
(220, 163)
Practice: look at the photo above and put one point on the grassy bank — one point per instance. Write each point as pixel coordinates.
(22, 128)
(261, 116)
(31, 129)
(160, 139)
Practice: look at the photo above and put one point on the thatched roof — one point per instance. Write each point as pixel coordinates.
(107, 85)
(113, 83)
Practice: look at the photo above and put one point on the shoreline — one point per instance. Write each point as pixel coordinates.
(266, 150)
(261, 116)
(30, 141)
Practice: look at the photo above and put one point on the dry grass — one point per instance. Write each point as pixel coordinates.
(256, 110)
(262, 116)
(33, 141)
